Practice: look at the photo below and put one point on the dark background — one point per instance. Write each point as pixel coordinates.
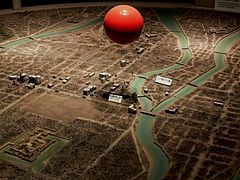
(7, 4)
(41, 2)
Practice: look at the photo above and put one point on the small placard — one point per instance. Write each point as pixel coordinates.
(115, 98)
(163, 80)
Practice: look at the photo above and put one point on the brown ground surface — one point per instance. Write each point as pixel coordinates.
(62, 108)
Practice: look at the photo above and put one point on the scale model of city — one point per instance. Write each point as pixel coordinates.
(75, 105)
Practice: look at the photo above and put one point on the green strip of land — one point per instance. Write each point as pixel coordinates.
(225, 44)
(84, 25)
(38, 164)
(237, 175)
(81, 26)
(16, 42)
(159, 161)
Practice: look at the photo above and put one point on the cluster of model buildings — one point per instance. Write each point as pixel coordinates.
(30, 147)
(30, 80)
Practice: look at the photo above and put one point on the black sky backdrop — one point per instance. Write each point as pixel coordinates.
(7, 4)
(41, 2)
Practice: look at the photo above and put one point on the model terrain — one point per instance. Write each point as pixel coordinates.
(75, 105)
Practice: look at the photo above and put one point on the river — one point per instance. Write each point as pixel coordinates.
(159, 162)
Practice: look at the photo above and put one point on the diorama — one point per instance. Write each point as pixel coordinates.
(120, 90)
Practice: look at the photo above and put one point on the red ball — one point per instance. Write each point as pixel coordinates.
(123, 24)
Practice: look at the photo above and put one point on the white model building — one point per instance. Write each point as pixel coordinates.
(115, 98)
(163, 80)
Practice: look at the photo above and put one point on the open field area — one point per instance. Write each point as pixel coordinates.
(61, 108)
(57, 118)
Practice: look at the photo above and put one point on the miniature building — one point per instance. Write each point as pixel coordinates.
(23, 77)
(12, 77)
(132, 109)
(64, 81)
(104, 75)
(68, 78)
(116, 85)
(73, 21)
(91, 74)
(139, 50)
(103, 79)
(123, 63)
(163, 80)
(150, 35)
(171, 111)
(36, 79)
(147, 35)
(115, 98)
(113, 88)
(89, 89)
(145, 90)
(166, 93)
(31, 85)
(31, 79)
(54, 76)
(50, 85)
(219, 104)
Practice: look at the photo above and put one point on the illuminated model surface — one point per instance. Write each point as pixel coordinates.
(173, 111)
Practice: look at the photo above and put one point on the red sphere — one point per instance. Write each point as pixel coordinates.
(123, 24)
